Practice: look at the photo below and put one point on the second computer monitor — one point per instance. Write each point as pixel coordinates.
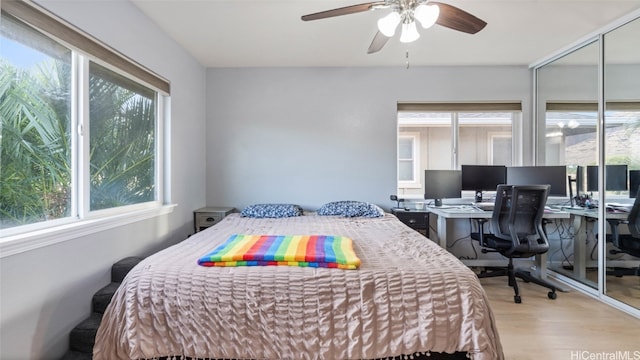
(634, 182)
(441, 184)
(616, 177)
(481, 178)
(556, 176)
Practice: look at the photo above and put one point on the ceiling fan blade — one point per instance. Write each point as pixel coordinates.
(343, 11)
(458, 19)
(377, 43)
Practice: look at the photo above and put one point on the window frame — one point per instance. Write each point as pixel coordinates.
(84, 123)
(415, 144)
(82, 221)
(492, 136)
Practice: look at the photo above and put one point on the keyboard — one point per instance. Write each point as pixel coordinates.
(463, 209)
(619, 207)
(486, 206)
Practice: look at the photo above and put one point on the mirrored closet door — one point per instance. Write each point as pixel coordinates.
(622, 156)
(567, 108)
(587, 113)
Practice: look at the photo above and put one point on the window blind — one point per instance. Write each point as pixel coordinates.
(593, 106)
(47, 23)
(459, 106)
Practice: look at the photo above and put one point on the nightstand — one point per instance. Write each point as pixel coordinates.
(415, 219)
(209, 216)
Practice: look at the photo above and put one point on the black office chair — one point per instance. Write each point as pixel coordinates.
(626, 243)
(517, 232)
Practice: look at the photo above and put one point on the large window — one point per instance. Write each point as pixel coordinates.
(449, 135)
(35, 112)
(79, 136)
(122, 154)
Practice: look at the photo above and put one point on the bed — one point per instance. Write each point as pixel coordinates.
(408, 298)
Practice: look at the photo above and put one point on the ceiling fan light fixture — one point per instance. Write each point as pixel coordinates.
(406, 12)
(427, 15)
(388, 24)
(409, 32)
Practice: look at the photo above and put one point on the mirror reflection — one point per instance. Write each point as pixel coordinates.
(622, 149)
(567, 93)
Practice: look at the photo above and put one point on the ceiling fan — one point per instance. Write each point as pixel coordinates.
(405, 12)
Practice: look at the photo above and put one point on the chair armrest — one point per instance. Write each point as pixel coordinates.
(615, 234)
(544, 226)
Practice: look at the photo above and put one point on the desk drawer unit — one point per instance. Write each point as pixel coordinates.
(417, 220)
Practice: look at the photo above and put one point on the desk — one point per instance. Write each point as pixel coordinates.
(469, 212)
(450, 212)
(579, 218)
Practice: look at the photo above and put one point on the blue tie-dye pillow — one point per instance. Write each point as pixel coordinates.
(351, 208)
(271, 210)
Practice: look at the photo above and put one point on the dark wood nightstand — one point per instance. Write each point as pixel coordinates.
(415, 219)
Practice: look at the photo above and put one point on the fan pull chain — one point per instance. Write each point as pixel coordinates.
(407, 59)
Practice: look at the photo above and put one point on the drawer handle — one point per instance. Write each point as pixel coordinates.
(412, 221)
(210, 219)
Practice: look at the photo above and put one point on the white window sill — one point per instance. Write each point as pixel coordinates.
(16, 244)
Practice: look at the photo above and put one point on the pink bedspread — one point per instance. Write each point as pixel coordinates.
(408, 296)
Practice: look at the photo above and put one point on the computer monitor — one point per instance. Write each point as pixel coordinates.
(634, 182)
(481, 178)
(441, 184)
(616, 177)
(578, 179)
(556, 176)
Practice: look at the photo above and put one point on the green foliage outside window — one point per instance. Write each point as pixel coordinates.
(36, 169)
(35, 143)
(122, 157)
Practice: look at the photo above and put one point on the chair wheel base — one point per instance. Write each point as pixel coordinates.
(552, 295)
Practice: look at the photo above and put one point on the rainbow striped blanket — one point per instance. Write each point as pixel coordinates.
(292, 250)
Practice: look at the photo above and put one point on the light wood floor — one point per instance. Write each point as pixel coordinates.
(540, 328)
(625, 289)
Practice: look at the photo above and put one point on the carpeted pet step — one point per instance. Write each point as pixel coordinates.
(102, 298)
(83, 336)
(120, 269)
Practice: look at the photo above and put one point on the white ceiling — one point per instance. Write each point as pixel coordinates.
(265, 33)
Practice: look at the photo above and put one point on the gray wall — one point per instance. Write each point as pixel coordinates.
(313, 135)
(44, 293)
